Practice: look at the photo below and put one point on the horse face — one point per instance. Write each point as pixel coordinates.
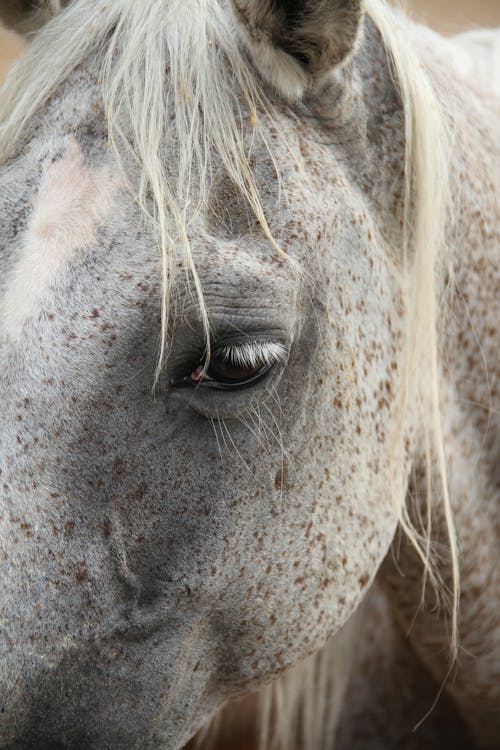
(164, 552)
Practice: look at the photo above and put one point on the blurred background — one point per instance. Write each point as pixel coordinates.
(449, 16)
(10, 48)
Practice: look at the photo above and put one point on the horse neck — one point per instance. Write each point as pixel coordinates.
(469, 394)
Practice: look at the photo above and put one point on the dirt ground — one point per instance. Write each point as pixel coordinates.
(449, 16)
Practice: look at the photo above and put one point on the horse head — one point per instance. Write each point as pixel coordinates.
(215, 193)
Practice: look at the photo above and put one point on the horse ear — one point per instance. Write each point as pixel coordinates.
(295, 44)
(26, 16)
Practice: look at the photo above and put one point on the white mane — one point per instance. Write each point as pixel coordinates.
(208, 77)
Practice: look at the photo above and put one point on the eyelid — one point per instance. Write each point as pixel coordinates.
(236, 386)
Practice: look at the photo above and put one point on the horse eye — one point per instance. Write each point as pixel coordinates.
(235, 367)
(223, 375)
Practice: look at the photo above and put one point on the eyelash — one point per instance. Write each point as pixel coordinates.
(251, 354)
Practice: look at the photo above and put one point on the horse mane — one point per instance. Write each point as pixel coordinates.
(208, 77)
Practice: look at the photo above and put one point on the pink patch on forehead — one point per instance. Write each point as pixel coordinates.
(73, 199)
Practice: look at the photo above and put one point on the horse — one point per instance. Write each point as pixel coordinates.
(249, 376)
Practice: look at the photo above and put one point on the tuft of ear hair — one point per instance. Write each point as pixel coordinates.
(295, 44)
(26, 16)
